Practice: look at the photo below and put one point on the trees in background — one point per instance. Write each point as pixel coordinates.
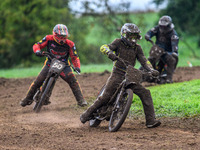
(24, 22)
(185, 14)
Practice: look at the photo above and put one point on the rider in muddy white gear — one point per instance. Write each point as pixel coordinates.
(167, 39)
(127, 49)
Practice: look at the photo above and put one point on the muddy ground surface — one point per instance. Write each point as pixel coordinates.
(57, 127)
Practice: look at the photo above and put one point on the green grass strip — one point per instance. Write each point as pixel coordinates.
(173, 100)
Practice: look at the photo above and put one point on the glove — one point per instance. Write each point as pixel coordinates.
(174, 54)
(155, 73)
(112, 56)
(78, 69)
(38, 53)
(147, 37)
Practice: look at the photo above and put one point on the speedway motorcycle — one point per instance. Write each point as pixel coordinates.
(43, 94)
(117, 109)
(157, 62)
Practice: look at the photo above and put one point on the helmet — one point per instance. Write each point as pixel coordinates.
(165, 24)
(60, 33)
(130, 33)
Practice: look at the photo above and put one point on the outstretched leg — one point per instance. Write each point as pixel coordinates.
(148, 107)
(34, 86)
(70, 78)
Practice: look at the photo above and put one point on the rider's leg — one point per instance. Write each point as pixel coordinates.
(171, 61)
(111, 85)
(148, 107)
(70, 78)
(34, 86)
(175, 56)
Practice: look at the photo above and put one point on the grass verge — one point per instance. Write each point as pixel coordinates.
(172, 100)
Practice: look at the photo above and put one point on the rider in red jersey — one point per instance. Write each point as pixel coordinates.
(61, 48)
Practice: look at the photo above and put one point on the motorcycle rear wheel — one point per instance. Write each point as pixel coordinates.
(40, 103)
(120, 111)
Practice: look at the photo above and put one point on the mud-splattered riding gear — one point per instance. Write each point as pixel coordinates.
(167, 39)
(129, 53)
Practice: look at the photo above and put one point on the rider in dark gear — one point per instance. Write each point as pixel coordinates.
(127, 49)
(61, 48)
(167, 39)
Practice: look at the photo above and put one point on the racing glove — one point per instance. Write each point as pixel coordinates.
(155, 73)
(112, 56)
(147, 37)
(174, 54)
(78, 69)
(38, 53)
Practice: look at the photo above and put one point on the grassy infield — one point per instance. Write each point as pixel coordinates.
(170, 100)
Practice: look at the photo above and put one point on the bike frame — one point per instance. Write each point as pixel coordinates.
(131, 78)
(55, 69)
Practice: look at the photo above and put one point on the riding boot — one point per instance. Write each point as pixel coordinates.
(87, 114)
(79, 98)
(147, 102)
(28, 100)
(77, 93)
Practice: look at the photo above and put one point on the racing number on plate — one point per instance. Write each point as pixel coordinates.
(57, 65)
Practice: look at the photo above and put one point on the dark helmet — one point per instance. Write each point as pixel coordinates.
(165, 24)
(60, 33)
(130, 33)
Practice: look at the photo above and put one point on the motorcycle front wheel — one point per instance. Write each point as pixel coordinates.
(39, 104)
(120, 111)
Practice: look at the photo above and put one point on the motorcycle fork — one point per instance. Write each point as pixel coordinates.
(43, 87)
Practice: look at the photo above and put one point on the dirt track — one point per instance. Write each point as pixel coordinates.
(57, 127)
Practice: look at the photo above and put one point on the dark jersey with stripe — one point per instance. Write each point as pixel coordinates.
(61, 52)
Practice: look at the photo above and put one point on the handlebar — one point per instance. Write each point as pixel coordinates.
(47, 54)
(144, 73)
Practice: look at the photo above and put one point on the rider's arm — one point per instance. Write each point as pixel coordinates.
(142, 59)
(151, 33)
(174, 43)
(73, 54)
(105, 49)
(41, 44)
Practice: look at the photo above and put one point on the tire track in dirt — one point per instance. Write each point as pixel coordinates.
(58, 125)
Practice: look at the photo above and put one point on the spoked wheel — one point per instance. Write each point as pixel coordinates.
(39, 104)
(120, 111)
(35, 106)
(35, 98)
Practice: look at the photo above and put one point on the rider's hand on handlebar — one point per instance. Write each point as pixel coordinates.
(147, 37)
(174, 54)
(39, 54)
(78, 69)
(112, 56)
(155, 73)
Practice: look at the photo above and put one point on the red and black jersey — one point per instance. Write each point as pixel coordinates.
(61, 52)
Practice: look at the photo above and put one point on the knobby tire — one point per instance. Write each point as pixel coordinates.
(44, 94)
(120, 120)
